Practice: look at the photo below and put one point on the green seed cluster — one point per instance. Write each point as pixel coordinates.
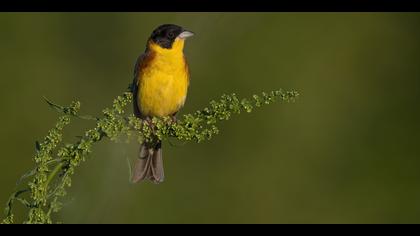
(55, 165)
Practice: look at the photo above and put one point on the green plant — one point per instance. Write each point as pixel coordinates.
(55, 165)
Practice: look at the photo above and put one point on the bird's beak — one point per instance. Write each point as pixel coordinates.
(185, 34)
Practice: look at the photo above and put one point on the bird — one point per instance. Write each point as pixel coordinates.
(160, 85)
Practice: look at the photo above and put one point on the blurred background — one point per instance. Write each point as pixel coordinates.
(346, 152)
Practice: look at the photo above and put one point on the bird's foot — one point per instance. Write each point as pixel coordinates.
(148, 121)
(174, 120)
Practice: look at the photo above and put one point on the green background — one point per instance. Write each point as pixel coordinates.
(345, 152)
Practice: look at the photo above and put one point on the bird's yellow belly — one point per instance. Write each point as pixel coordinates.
(162, 89)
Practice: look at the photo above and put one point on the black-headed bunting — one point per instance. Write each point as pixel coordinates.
(161, 80)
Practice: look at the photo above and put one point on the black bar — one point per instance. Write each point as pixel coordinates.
(210, 6)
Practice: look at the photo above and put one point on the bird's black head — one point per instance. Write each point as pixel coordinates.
(165, 35)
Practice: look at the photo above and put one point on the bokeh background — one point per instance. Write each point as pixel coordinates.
(346, 152)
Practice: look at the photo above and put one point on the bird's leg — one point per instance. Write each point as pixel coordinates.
(148, 121)
(173, 118)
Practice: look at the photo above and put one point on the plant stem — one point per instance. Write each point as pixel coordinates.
(54, 173)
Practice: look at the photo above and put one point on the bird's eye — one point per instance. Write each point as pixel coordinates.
(171, 35)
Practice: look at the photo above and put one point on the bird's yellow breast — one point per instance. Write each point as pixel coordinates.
(163, 81)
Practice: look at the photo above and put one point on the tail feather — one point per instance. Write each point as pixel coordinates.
(149, 164)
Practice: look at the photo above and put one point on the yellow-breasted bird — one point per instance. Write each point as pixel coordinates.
(161, 80)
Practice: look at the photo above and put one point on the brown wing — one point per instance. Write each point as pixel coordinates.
(135, 86)
(142, 62)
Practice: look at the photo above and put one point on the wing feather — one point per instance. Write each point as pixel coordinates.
(135, 84)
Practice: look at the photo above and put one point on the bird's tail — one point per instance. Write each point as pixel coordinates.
(149, 164)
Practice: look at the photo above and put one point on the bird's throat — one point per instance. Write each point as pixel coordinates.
(176, 49)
